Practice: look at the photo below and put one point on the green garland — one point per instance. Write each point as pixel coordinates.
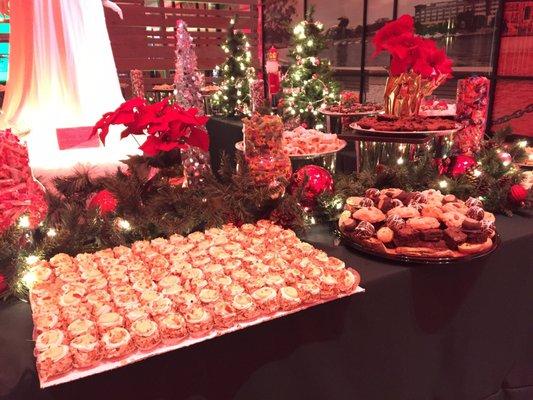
(150, 207)
(491, 180)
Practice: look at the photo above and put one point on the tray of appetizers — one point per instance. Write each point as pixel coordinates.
(100, 311)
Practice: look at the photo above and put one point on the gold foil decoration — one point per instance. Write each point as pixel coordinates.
(404, 93)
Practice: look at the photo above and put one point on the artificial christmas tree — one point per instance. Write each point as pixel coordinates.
(187, 79)
(236, 75)
(308, 83)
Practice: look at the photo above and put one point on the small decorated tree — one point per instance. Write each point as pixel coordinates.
(187, 79)
(308, 83)
(236, 75)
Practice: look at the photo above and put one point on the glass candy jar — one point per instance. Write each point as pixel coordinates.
(267, 162)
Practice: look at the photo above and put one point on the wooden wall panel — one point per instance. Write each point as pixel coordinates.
(145, 38)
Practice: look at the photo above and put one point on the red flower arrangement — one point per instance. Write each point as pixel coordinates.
(411, 52)
(168, 126)
(417, 66)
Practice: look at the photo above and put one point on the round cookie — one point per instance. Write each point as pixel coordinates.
(423, 223)
(392, 192)
(433, 196)
(475, 248)
(455, 206)
(449, 198)
(369, 214)
(404, 212)
(431, 211)
(489, 217)
(453, 219)
(385, 234)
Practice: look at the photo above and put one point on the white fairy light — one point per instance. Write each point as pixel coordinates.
(299, 48)
(29, 279)
(522, 144)
(443, 184)
(310, 43)
(123, 224)
(399, 161)
(477, 173)
(51, 232)
(24, 222)
(30, 260)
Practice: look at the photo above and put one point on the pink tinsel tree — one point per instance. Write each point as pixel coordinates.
(187, 79)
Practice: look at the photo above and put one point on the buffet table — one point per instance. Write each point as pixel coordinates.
(429, 332)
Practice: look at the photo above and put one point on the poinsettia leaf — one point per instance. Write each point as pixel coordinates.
(151, 146)
(199, 138)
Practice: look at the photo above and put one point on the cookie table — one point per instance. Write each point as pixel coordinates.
(453, 332)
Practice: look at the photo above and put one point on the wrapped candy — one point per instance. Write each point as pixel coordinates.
(20, 193)
(472, 106)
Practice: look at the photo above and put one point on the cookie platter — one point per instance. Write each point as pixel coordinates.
(415, 259)
(353, 110)
(418, 227)
(405, 126)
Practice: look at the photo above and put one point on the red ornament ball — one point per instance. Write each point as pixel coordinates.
(312, 180)
(517, 194)
(462, 164)
(105, 201)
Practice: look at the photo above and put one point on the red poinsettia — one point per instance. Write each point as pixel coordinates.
(411, 52)
(404, 24)
(168, 126)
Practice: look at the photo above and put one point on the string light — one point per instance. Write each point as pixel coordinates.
(399, 161)
(522, 144)
(51, 232)
(477, 173)
(123, 224)
(443, 184)
(30, 260)
(24, 222)
(29, 279)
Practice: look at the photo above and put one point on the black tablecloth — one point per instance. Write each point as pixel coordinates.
(452, 332)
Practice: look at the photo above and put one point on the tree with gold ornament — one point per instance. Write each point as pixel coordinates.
(236, 75)
(308, 83)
